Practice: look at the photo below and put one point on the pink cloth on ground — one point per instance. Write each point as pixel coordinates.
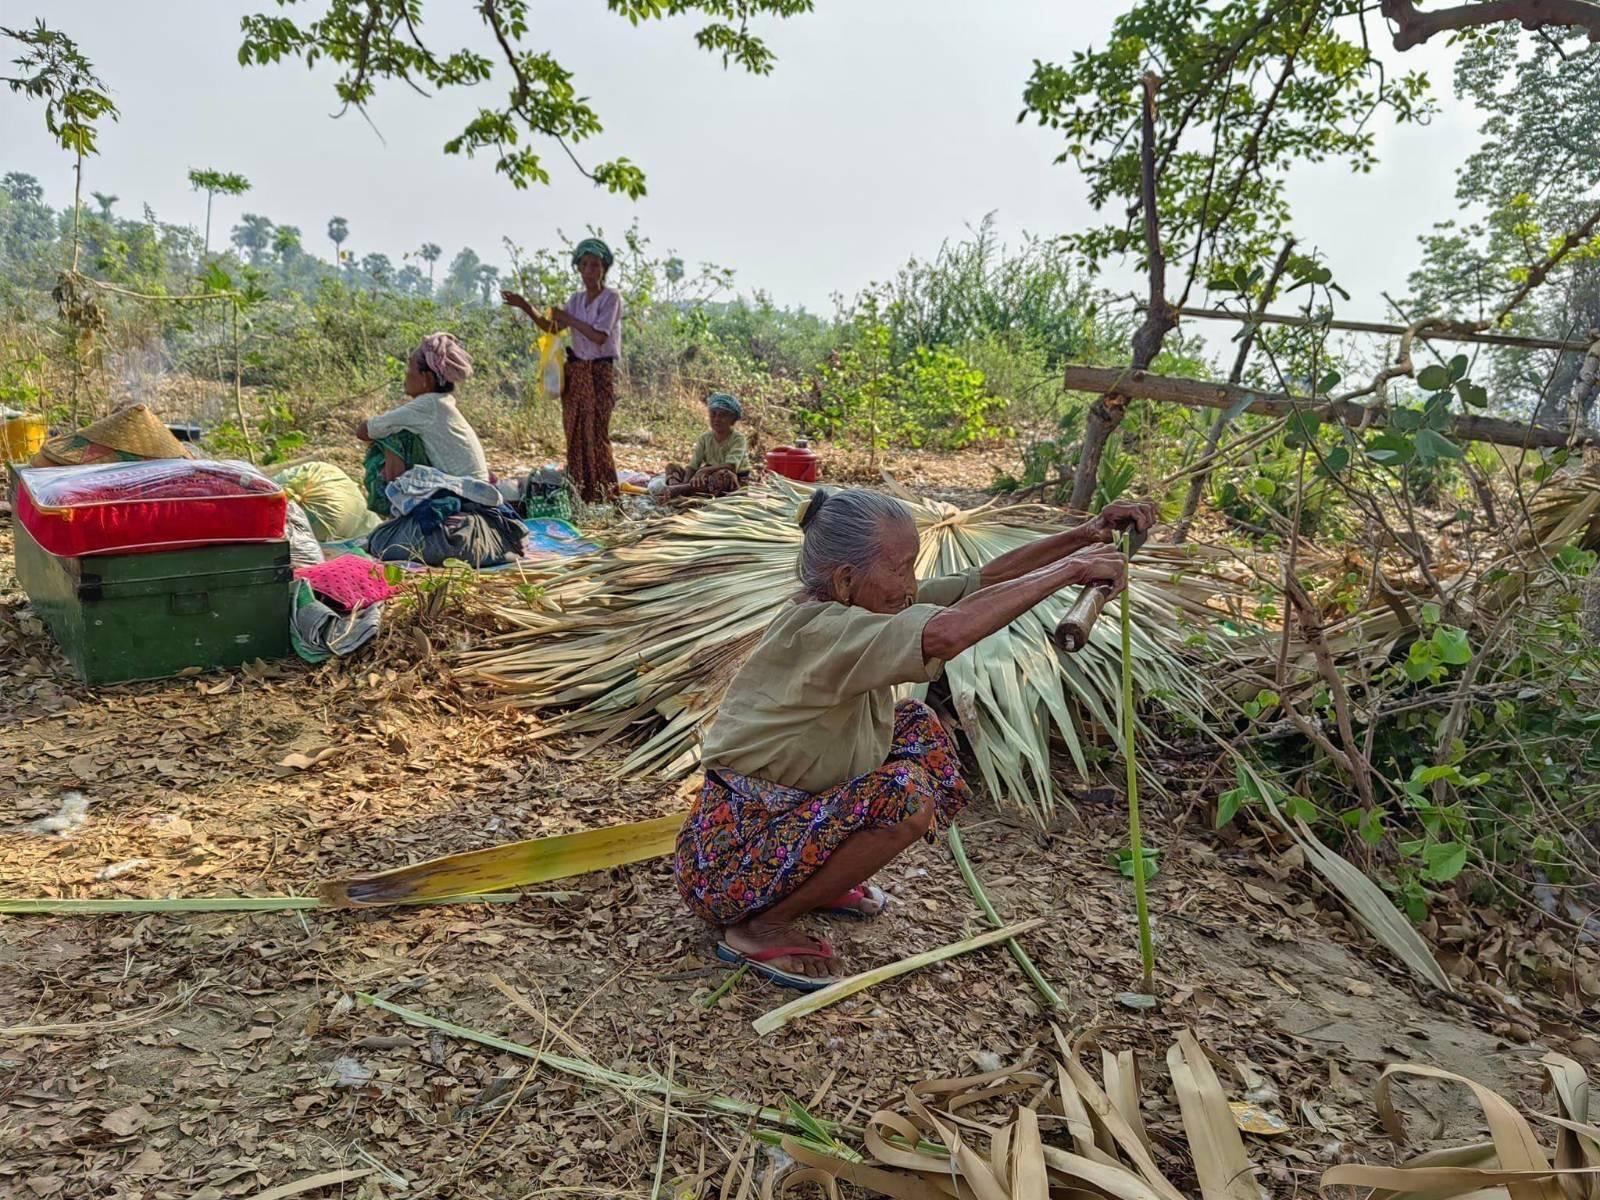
(349, 580)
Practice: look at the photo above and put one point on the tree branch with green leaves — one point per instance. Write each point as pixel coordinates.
(376, 40)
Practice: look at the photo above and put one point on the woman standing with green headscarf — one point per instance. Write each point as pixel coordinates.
(588, 394)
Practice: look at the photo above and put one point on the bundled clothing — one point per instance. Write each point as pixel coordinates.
(718, 481)
(440, 517)
(809, 747)
(405, 446)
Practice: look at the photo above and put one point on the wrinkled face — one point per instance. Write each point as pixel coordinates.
(592, 271)
(419, 380)
(722, 423)
(889, 585)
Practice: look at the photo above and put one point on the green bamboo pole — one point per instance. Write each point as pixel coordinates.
(1040, 983)
(1147, 954)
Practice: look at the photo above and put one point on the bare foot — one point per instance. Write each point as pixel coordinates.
(867, 900)
(751, 936)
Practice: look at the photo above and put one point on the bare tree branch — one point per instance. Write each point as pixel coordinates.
(1197, 484)
(1445, 331)
(1413, 26)
(1159, 319)
(1142, 385)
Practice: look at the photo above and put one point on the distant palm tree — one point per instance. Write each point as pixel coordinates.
(286, 243)
(105, 202)
(429, 253)
(253, 233)
(338, 230)
(412, 281)
(378, 269)
(487, 277)
(211, 182)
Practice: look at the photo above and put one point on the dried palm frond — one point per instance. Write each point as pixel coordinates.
(1007, 1158)
(642, 641)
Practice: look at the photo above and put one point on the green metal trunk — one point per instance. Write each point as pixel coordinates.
(147, 616)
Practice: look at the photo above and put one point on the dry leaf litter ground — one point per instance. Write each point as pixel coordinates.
(222, 1055)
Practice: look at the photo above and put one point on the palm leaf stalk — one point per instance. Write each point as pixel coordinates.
(641, 642)
(1147, 954)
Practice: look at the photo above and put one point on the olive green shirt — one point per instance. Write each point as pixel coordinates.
(708, 452)
(813, 705)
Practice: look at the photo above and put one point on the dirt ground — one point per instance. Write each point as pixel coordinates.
(207, 1056)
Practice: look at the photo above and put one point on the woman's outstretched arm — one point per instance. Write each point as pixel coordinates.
(1124, 514)
(992, 608)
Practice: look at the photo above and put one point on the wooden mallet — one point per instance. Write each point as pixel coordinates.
(1072, 633)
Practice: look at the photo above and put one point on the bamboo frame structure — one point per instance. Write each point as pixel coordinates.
(1440, 332)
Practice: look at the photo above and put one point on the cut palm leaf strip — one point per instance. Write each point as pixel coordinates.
(205, 904)
(1130, 760)
(312, 1183)
(834, 992)
(518, 864)
(1041, 985)
(1364, 897)
(618, 1081)
(1220, 1163)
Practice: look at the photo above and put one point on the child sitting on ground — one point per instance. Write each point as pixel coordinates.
(721, 462)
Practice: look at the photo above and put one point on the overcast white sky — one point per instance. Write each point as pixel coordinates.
(887, 126)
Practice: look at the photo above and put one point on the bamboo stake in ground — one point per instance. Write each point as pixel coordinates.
(1040, 983)
(1147, 954)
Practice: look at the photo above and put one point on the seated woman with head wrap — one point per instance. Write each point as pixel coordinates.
(815, 777)
(721, 461)
(428, 430)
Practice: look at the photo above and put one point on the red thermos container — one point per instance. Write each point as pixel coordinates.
(794, 462)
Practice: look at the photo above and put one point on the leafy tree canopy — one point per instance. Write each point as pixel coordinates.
(53, 70)
(374, 40)
(213, 182)
(1248, 88)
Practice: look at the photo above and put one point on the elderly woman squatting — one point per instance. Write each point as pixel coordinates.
(815, 778)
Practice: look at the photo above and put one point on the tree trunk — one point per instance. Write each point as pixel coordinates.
(206, 249)
(1106, 413)
(1197, 482)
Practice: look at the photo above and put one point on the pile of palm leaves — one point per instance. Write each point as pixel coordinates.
(641, 642)
(1000, 1137)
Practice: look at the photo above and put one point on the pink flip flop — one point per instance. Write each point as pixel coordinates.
(843, 906)
(758, 961)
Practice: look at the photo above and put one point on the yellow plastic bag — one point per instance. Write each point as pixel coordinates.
(551, 360)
